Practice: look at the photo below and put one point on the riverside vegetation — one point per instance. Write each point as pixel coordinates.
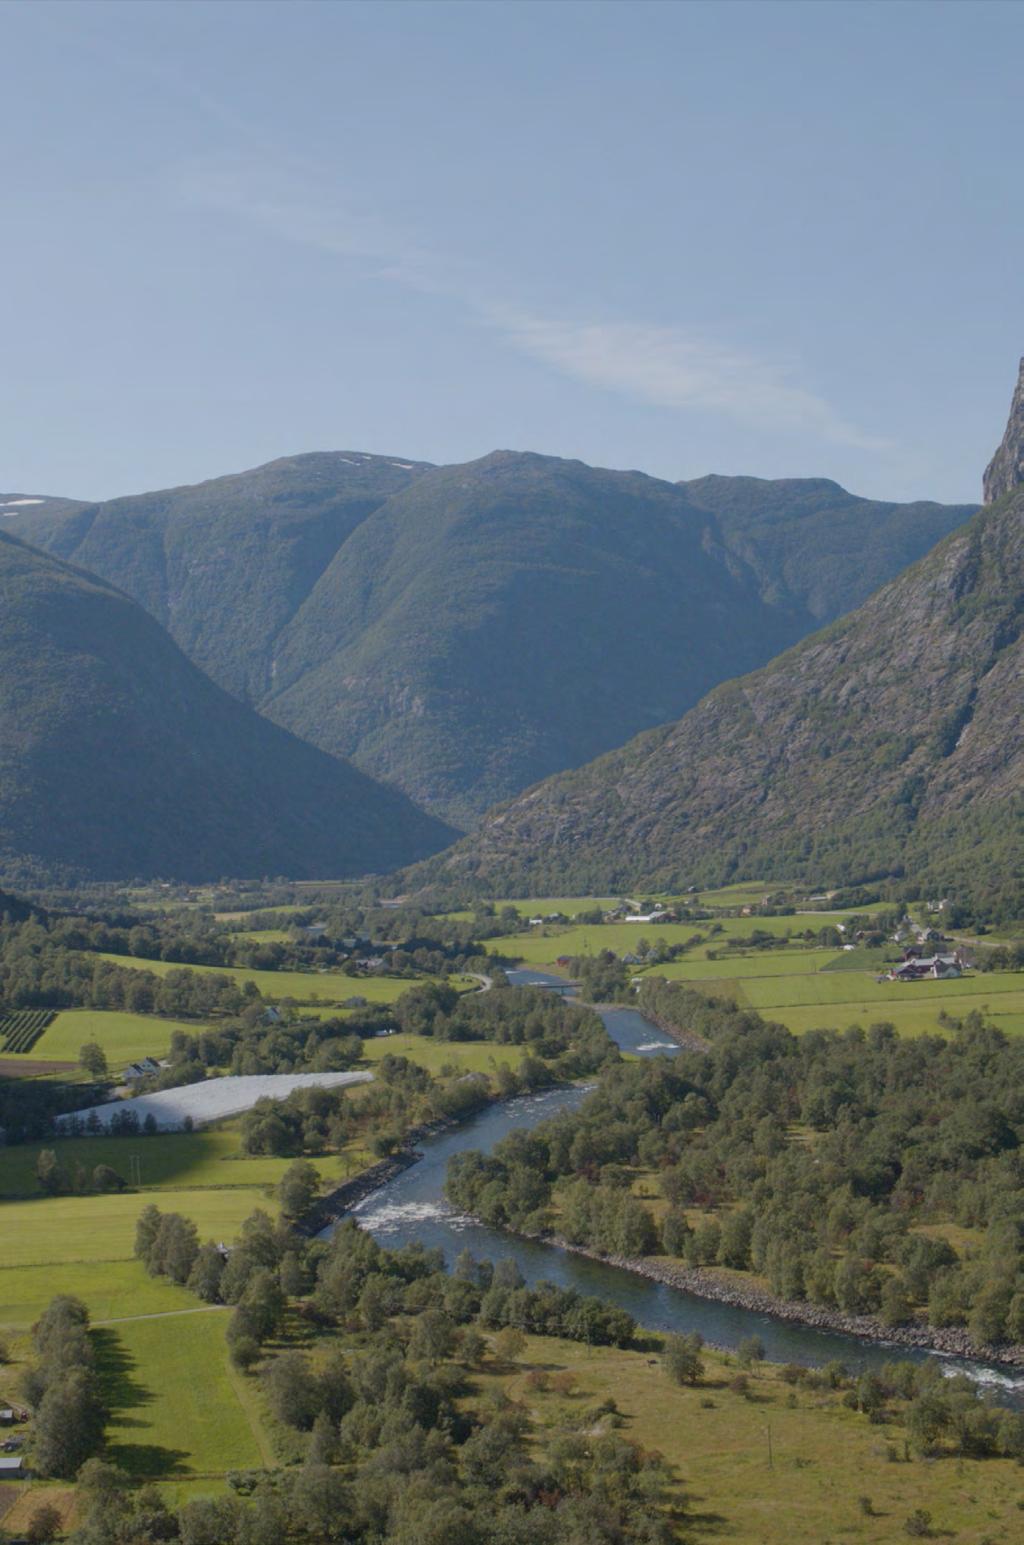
(876, 1175)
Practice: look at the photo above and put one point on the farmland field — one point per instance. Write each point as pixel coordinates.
(175, 1409)
(304, 986)
(110, 1289)
(20, 1029)
(542, 946)
(124, 1037)
(54, 1230)
(171, 1160)
(470, 1056)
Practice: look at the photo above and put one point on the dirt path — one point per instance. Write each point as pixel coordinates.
(165, 1314)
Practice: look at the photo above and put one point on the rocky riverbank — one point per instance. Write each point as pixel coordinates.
(951, 1340)
(332, 1207)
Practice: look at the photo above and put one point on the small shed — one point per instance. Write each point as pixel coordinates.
(11, 1468)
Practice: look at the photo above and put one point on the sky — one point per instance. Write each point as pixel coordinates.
(776, 239)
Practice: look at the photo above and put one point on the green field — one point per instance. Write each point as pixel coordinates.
(469, 1056)
(170, 1160)
(818, 999)
(542, 946)
(759, 963)
(124, 1037)
(175, 1406)
(823, 1459)
(541, 906)
(304, 986)
(65, 1229)
(111, 1289)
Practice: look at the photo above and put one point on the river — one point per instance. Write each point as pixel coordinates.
(412, 1207)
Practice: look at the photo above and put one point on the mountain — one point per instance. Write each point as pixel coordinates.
(464, 631)
(1006, 469)
(815, 546)
(223, 565)
(889, 744)
(118, 757)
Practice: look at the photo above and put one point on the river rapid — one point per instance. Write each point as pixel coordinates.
(412, 1207)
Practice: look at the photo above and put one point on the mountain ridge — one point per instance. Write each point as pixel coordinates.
(350, 598)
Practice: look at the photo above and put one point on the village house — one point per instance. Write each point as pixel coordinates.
(916, 968)
(144, 1068)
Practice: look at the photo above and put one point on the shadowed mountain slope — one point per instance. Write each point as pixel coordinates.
(118, 757)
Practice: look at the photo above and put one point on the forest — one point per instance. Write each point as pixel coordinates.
(831, 1165)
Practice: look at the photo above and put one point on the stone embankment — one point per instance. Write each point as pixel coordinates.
(952, 1340)
(333, 1206)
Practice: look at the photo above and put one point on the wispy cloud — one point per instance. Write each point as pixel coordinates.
(667, 367)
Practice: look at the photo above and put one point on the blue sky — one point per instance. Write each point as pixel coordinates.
(777, 239)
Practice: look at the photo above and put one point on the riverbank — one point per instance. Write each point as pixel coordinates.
(688, 1040)
(950, 1340)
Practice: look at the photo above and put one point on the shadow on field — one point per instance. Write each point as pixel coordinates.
(123, 1394)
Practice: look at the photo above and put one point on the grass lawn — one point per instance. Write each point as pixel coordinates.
(824, 1457)
(541, 946)
(468, 1056)
(303, 986)
(174, 1160)
(109, 1289)
(175, 1405)
(55, 1230)
(124, 1037)
(541, 906)
(325, 986)
(690, 968)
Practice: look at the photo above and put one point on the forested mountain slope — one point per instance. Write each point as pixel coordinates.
(816, 546)
(464, 631)
(522, 613)
(890, 743)
(118, 757)
(223, 565)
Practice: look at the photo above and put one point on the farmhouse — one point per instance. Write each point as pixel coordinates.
(144, 1068)
(940, 968)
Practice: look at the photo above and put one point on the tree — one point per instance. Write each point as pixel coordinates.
(433, 1337)
(52, 1175)
(682, 1360)
(293, 1391)
(93, 1059)
(896, 1308)
(147, 1226)
(207, 1273)
(68, 1425)
(299, 1188)
(323, 1441)
(509, 1344)
(45, 1524)
(105, 1178)
(750, 1351)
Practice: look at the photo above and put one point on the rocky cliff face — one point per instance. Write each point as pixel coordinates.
(1006, 469)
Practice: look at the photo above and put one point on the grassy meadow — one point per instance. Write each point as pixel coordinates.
(824, 1457)
(178, 1409)
(329, 987)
